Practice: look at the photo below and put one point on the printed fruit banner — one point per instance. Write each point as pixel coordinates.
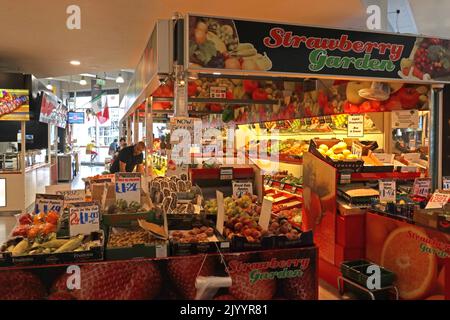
(275, 100)
(14, 105)
(418, 256)
(262, 275)
(224, 43)
(319, 211)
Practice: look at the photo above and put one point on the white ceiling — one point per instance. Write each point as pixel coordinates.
(114, 32)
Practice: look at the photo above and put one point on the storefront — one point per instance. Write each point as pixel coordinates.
(308, 147)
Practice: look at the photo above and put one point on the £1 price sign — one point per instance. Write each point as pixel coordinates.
(422, 187)
(84, 219)
(388, 190)
(128, 187)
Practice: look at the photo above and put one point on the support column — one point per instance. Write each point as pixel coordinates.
(149, 135)
(435, 150)
(136, 127)
(128, 130)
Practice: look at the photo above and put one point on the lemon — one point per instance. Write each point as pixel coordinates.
(346, 152)
(329, 153)
(323, 147)
(340, 157)
(342, 145)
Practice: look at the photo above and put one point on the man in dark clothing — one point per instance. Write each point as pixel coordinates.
(130, 158)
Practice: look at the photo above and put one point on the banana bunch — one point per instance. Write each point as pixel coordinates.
(252, 58)
(296, 125)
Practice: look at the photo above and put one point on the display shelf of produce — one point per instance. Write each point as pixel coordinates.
(281, 158)
(214, 173)
(238, 102)
(367, 176)
(285, 187)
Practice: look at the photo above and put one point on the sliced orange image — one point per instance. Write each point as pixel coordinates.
(436, 297)
(416, 270)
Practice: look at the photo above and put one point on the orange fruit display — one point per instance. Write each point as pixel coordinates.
(436, 297)
(416, 270)
(377, 230)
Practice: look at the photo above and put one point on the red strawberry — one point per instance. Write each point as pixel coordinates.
(124, 280)
(225, 297)
(61, 296)
(20, 285)
(242, 289)
(301, 288)
(183, 272)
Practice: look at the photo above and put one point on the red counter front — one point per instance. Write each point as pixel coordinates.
(265, 275)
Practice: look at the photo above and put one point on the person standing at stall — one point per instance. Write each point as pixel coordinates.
(130, 159)
(113, 148)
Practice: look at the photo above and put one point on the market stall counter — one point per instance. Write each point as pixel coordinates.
(256, 275)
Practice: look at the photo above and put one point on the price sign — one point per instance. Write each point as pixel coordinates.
(388, 190)
(438, 200)
(218, 92)
(270, 183)
(72, 196)
(422, 187)
(446, 183)
(49, 202)
(84, 218)
(128, 187)
(266, 213)
(282, 185)
(412, 144)
(226, 173)
(241, 188)
(266, 182)
(220, 212)
(357, 149)
(355, 127)
(294, 189)
(384, 157)
(405, 119)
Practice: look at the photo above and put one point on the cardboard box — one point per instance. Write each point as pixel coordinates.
(428, 218)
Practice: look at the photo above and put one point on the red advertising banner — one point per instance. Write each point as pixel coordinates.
(53, 111)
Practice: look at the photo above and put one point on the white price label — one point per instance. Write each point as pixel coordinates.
(72, 196)
(388, 190)
(84, 219)
(384, 157)
(446, 183)
(128, 187)
(266, 213)
(357, 149)
(412, 144)
(355, 126)
(405, 119)
(422, 187)
(438, 200)
(48, 202)
(241, 188)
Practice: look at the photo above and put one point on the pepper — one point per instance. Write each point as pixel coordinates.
(250, 85)
(409, 97)
(259, 94)
(228, 114)
(192, 89)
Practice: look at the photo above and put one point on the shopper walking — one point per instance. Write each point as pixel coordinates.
(113, 148)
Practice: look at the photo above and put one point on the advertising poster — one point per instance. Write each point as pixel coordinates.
(418, 256)
(52, 111)
(265, 275)
(14, 105)
(319, 195)
(223, 43)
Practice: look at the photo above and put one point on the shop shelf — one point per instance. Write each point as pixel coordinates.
(367, 176)
(231, 101)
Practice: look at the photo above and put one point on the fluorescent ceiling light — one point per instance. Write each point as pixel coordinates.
(120, 79)
(75, 62)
